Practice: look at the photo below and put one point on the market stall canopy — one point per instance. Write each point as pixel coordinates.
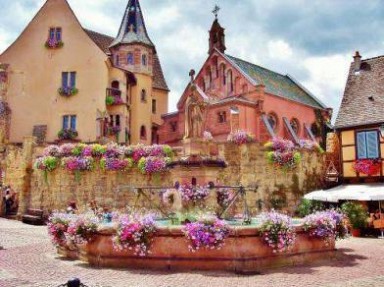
(359, 192)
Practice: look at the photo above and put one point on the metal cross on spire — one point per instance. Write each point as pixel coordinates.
(216, 10)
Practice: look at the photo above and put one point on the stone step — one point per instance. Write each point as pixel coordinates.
(35, 212)
(32, 219)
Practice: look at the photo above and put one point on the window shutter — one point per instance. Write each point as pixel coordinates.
(73, 123)
(73, 79)
(361, 146)
(64, 79)
(65, 122)
(372, 145)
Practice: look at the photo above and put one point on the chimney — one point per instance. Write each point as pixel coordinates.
(357, 61)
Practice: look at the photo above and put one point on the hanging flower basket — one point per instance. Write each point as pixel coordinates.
(367, 166)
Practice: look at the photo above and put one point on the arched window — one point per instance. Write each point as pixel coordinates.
(115, 85)
(295, 124)
(223, 74)
(273, 121)
(143, 133)
(130, 58)
(230, 81)
(144, 60)
(143, 95)
(216, 67)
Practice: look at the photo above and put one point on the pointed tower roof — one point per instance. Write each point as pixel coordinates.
(132, 28)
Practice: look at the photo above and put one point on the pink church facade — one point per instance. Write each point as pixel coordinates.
(239, 95)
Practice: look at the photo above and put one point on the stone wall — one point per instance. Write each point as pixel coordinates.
(266, 186)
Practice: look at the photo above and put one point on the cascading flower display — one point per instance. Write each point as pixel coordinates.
(113, 151)
(115, 163)
(52, 150)
(78, 163)
(66, 149)
(98, 150)
(57, 227)
(190, 193)
(277, 231)
(82, 228)
(135, 234)
(152, 164)
(326, 225)
(47, 163)
(282, 154)
(207, 136)
(240, 137)
(206, 234)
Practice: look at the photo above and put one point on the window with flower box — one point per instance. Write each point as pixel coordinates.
(68, 84)
(69, 122)
(367, 144)
(54, 38)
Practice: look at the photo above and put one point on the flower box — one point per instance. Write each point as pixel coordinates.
(67, 91)
(53, 44)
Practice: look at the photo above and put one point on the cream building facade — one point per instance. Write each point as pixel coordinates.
(58, 76)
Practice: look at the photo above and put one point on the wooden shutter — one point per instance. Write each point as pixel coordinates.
(268, 126)
(309, 132)
(291, 131)
(372, 144)
(361, 146)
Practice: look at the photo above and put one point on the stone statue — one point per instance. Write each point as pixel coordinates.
(193, 118)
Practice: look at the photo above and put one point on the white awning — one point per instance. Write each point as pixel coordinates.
(359, 192)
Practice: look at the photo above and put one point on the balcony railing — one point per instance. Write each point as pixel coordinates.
(114, 97)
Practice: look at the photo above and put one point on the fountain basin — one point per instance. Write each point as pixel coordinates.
(244, 251)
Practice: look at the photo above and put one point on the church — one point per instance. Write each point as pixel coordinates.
(238, 95)
(60, 81)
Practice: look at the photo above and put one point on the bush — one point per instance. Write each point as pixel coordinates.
(356, 213)
(307, 207)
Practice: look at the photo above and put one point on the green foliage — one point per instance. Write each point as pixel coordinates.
(356, 213)
(307, 207)
(168, 151)
(297, 158)
(78, 149)
(109, 100)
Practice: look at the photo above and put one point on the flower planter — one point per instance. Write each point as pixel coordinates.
(356, 232)
(243, 251)
(68, 252)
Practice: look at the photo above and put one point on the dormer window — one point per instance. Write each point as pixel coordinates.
(54, 38)
(144, 60)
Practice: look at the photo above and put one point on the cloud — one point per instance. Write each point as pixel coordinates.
(311, 40)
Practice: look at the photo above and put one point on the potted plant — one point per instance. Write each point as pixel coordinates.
(357, 216)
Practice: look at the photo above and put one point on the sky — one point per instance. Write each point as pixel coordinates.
(313, 41)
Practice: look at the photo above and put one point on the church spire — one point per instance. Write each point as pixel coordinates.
(132, 28)
(216, 34)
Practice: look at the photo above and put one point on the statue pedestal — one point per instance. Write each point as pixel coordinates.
(195, 146)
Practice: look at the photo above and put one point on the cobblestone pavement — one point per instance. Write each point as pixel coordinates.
(28, 259)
